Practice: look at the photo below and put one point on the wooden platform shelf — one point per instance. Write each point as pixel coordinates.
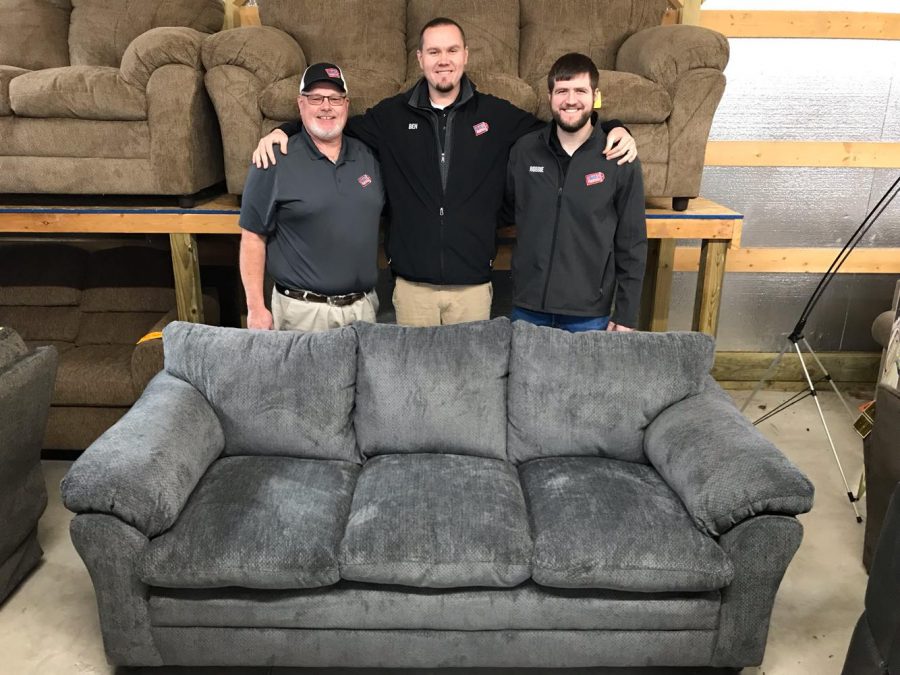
(717, 227)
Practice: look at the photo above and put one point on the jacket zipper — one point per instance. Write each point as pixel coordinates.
(559, 193)
(444, 167)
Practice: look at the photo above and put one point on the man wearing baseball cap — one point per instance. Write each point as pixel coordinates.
(311, 222)
(443, 146)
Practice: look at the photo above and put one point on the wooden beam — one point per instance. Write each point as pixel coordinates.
(186, 268)
(799, 24)
(250, 16)
(657, 291)
(690, 12)
(803, 153)
(750, 366)
(708, 297)
(796, 260)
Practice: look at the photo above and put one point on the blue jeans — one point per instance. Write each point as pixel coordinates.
(573, 324)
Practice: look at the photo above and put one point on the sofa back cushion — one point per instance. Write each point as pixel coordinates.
(492, 32)
(594, 393)
(593, 27)
(283, 393)
(33, 33)
(366, 36)
(440, 389)
(47, 275)
(101, 30)
(129, 279)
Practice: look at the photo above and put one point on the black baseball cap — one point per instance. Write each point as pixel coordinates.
(323, 72)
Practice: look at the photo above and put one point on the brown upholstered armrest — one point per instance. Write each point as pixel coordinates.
(147, 357)
(268, 53)
(160, 47)
(664, 53)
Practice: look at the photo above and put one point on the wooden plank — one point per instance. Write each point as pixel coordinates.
(690, 12)
(249, 16)
(657, 290)
(750, 366)
(186, 268)
(796, 260)
(799, 24)
(803, 153)
(707, 300)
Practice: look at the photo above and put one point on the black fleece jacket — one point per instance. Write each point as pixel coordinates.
(444, 198)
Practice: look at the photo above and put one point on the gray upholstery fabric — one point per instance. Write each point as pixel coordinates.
(377, 607)
(256, 522)
(603, 523)
(437, 520)
(721, 466)
(432, 649)
(144, 468)
(15, 567)
(108, 548)
(12, 347)
(594, 393)
(307, 415)
(760, 550)
(437, 389)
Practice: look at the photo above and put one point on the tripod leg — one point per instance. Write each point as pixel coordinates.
(812, 389)
(850, 412)
(765, 377)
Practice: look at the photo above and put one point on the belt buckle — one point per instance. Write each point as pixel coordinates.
(331, 300)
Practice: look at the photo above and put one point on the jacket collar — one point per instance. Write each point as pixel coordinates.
(417, 97)
(347, 154)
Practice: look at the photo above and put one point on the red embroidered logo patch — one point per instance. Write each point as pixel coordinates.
(481, 128)
(364, 180)
(333, 72)
(594, 178)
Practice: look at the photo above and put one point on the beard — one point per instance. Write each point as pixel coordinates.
(444, 87)
(572, 127)
(316, 130)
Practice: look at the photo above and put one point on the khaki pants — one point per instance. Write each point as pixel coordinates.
(419, 304)
(293, 314)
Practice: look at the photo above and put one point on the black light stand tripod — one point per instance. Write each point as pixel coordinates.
(795, 337)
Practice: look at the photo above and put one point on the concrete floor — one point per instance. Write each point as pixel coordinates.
(49, 625)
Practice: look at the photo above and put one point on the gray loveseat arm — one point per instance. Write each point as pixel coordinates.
(720, 466)
(144, 468)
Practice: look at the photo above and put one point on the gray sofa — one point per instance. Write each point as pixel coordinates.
(487, 494)
(26, 382)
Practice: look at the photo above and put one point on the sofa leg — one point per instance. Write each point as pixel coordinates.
(187, 201)
(680, 203)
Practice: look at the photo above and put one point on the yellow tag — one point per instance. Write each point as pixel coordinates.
(155, 335)
(597, 100)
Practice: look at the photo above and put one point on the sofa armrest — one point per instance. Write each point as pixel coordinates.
(160, 47)
(268, 53)
(147, 358)
(665, 53)
(720, 466)
(144, 468)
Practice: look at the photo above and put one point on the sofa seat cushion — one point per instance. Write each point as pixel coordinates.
(256, 522)
(7, 74)
(625, 96)
(594, 393)
(98, 375)
(440, 389)
(275, 392)
(354, 606)
(438, 521)
(82, 92)
(602, 523)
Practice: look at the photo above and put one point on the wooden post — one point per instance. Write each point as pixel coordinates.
(709, 286)
(186, 267)
(657, 291)
(690, 12)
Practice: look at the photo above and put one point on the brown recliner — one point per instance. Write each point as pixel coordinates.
(100, 97)
(663, 82)
(93, 307)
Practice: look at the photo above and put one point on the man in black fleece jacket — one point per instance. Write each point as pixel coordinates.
(582, 233)
(443, 148)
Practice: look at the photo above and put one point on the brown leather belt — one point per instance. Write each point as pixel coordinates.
(309, 296)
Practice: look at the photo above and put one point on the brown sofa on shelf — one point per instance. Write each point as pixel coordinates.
(107, 97)
(93, 307)
(664, 82)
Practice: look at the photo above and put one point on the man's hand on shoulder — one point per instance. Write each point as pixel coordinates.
(619, 143)
(260, 319)
(265, 151)
(619, 328)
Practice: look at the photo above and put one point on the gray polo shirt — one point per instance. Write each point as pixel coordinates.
(320, 219)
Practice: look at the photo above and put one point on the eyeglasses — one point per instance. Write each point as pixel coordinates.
(318, 99)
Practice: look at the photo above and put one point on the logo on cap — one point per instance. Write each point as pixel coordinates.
(333, 72)
(594, 178)
(364, 180)
(481, 128)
